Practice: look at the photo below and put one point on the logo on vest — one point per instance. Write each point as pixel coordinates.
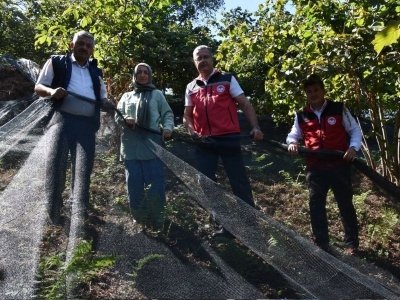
(220, 89)
(331, 121)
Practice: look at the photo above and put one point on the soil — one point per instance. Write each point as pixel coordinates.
(279, 190)
(13, 85)
(278, 185)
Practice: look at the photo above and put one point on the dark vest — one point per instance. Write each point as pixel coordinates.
(62, 66)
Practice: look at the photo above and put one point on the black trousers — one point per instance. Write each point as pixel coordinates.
(337, 178)
(228, 149)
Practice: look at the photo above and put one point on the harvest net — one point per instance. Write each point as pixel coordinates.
(306, 266)
(24, 213)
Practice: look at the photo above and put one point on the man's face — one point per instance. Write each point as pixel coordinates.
(204, 62)
(315, 94)
(83, 48)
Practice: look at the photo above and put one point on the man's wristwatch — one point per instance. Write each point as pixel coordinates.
(256, 127)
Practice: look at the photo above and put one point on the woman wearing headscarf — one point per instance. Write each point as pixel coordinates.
(146, 112)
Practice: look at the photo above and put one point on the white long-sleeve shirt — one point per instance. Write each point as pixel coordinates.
(349, 123)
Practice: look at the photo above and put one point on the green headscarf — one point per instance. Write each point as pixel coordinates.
(145, 91)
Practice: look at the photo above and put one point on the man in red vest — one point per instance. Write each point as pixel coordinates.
(324, 124)
(211, 112)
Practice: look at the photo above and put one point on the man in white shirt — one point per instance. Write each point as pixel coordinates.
(67, 80)
(324, 124)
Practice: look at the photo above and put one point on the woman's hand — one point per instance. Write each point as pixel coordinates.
(130, 122)
(166, 134)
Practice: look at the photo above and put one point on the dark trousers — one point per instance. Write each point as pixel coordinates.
(69, 134)
(228, 149)
(337, 178)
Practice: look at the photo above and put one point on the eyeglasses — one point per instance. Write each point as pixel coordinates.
(200, 58)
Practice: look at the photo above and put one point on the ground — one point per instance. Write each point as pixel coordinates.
(13, 85)
(279, 190)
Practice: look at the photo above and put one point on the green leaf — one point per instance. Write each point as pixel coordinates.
(389, 35)
(52, 28)
(271, 72)
(84, 22)
(360, 22)
(42, 39)
(307, 34)
(269, 57)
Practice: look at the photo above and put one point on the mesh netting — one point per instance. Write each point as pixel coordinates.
(24, 214)
(167, 275)
(19, 134)
(22, 223)
(317, 273)
(312, 271)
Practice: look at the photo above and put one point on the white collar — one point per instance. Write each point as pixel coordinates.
(321, 109)
(205, 80)
(73, 60)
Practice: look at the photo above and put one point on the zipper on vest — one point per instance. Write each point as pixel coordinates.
(230, 115)
(208, 97)
(320, 131)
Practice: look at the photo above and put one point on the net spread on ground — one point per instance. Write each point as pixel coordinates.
(24, 215)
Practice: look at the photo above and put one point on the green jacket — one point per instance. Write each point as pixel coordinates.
(133, 141)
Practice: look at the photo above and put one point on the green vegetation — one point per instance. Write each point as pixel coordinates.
(271, 51)
(380, 230)
(275, 51)
(353, 44)
(142, 262)
(83, 266)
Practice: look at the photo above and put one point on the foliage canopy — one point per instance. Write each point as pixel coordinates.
(340, 41)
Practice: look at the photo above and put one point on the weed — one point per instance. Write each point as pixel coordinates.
(121, 200)
(142, 262)
(260, 158)
(82, 267)
(289, 181)
(382, 228)
(179, 209)
(359, 200)
(272, 242)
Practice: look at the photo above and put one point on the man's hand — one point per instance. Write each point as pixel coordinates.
(166, 134)
(107, 105)
(293, 149)
(257, 133)
(196, 137)
(130, 122)
(58, 93)
(350, 154)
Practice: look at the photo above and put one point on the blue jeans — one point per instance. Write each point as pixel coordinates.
(228, 148)
(146, 188)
